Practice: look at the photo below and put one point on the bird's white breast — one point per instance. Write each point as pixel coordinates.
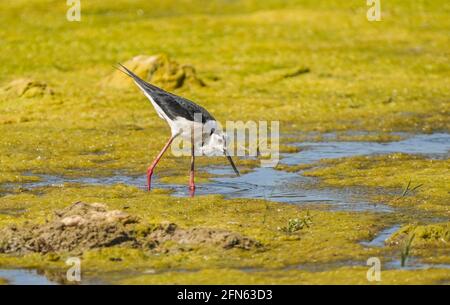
(186, 127)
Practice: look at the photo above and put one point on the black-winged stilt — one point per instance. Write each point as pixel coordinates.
(183, 117)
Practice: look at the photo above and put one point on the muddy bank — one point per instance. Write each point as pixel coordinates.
(82, 227)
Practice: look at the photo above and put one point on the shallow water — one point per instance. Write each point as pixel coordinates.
(413, 264)
(262, 183)
(435, 145)
(381, 237)
(36, 277)
(280, 186)
(274, 185)
(389, 264)
(24, 277)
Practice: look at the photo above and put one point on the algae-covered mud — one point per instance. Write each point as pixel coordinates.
(364, 171)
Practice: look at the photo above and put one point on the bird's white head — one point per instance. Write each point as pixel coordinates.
(216, 144)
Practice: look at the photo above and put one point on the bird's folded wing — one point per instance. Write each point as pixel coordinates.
(173, 106)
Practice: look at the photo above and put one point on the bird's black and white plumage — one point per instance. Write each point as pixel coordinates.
(177, 111)
(169, 105)
(184, 116)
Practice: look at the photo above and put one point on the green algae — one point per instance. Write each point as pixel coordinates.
(424, 235)
(26, 88)
(379, 137)
(393, 171)
(355, 275)
(157, 69)
(344, 136)
(332, 236)
(293, 168)
(290, 149)
(392, 81)
(377, 77)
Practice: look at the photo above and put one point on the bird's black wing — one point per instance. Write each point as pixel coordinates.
(173, 105)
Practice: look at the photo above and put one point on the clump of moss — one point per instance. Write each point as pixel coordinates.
(427, 178)
(290, 149)
(156, 69)
(28, 88)
(296, 224)
(424, 235)
(380, 137)
(293, 168)
(343, 275)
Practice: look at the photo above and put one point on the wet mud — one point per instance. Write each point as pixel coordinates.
(82, 227)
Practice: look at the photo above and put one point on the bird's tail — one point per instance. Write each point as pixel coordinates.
(137, 79)
(125, 70)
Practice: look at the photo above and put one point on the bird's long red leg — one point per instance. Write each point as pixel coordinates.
(155, 162)
(191, 174)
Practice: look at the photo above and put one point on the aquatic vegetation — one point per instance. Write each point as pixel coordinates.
(294, 168)
(408, 189)
(344, 136)
(156, 69)
(26, 88)
(390, 171)
(333, 237)
(85, 127)
(437, 234)
(406, 249)
(426, 198)
(288, 148)
(344, 275)
(315, 66)
(379, 137)
(296, 224)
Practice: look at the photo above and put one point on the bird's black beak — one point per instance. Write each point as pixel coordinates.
(232, 163)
